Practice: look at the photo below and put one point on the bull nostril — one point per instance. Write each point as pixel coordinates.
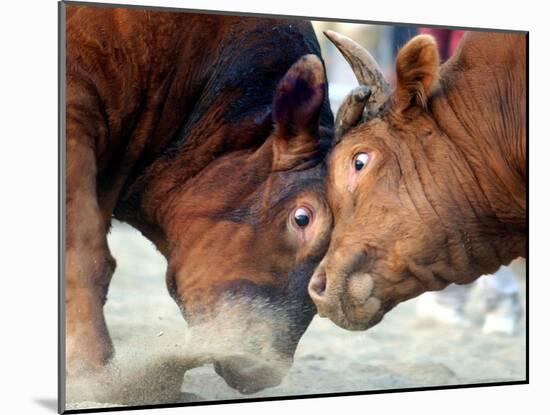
(318, 284)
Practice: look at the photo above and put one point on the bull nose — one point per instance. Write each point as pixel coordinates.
(249, 375)
(346, 299)
(320, 294)
(318, 284)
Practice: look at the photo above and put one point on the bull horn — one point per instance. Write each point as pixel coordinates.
(367, 72)
(350, 112)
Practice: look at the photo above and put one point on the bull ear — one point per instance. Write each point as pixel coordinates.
(296, 110)
(417, 67)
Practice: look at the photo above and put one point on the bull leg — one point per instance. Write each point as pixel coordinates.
(88, 264)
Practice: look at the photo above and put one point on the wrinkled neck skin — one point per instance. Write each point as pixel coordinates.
(478, 116)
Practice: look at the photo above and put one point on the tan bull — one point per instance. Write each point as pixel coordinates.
(430, 188)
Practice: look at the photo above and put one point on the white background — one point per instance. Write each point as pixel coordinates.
(28, 205)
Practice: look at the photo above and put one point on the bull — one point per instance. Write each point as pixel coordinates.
(207, 133)
(428, 183)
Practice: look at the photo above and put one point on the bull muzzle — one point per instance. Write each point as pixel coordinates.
(347, 300)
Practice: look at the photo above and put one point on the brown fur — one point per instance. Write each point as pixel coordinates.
(170, 128)
(442, 198)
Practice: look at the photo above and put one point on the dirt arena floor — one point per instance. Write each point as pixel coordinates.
(403, 351)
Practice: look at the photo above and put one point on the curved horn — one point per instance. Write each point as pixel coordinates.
(350, 112)
(366, 71)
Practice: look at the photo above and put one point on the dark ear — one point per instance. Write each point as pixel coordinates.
(296, 108)
(417, 67)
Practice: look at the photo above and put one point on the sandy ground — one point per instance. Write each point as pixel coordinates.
(403, 351)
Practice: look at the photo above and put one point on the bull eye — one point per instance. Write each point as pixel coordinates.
(360, 161)
(302, 217)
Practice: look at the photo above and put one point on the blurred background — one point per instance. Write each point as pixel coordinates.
(462, 335)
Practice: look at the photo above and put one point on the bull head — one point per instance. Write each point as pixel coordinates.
(247, 236)
(429, 191)
(375, 259)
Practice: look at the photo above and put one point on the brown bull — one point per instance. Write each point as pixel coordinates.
(207, 133)
(430, 189)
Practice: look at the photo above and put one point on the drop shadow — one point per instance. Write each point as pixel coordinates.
(48, 403)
